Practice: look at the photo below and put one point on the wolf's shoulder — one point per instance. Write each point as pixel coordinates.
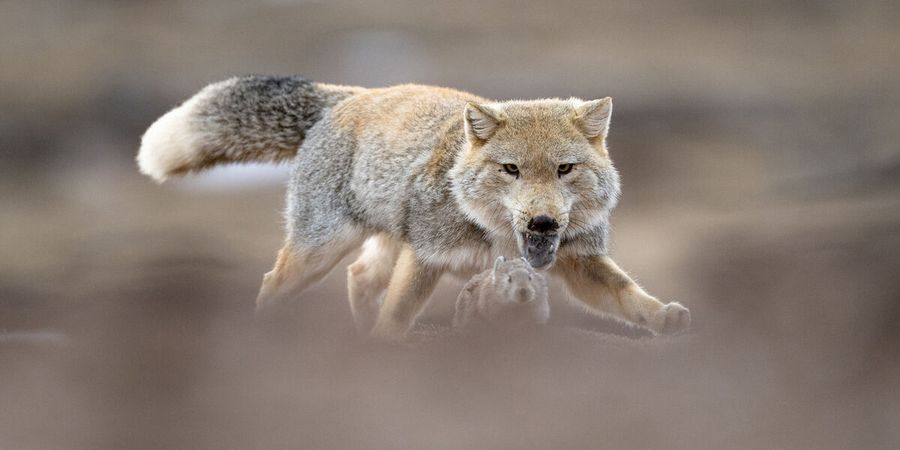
(403, 102)
(405, 118)
(421, 92)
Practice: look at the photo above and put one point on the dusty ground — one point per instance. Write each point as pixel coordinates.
(758, 147)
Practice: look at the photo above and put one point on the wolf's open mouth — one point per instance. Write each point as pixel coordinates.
(539, 249)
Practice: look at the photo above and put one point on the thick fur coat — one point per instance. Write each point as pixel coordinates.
(433, 180)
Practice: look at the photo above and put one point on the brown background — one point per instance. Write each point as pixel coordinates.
(758, 144)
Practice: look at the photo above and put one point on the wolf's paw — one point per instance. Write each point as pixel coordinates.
(670, 319)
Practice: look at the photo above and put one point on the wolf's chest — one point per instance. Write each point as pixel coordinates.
(470, 257)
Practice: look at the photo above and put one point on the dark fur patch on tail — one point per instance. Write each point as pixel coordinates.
(257, 118)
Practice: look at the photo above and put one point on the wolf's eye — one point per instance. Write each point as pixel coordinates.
(511, 169)
(564, 169)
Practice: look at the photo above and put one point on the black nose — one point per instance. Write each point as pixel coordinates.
(543, 224)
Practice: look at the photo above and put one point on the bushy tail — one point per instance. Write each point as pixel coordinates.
(252, 118)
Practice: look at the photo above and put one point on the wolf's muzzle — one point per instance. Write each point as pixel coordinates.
(539, 249)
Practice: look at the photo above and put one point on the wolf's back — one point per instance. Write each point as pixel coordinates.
(243, 119)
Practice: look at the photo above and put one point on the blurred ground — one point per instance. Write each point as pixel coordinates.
(758, 144)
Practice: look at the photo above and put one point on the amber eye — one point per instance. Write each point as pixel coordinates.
(564, 169)
(511, 169)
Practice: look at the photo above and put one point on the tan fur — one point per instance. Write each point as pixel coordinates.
(389, 111)
(442, 157)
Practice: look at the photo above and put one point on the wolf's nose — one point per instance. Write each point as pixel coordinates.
(543, 224)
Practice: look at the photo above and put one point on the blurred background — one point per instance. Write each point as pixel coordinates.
(760, 153)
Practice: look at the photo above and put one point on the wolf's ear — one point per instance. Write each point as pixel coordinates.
(497, 263)
(592, 117)
(482, 121)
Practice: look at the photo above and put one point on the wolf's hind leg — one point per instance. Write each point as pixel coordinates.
(411, 284)
(367, 279)
(299, 267)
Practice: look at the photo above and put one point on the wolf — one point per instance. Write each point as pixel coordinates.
(427, 180)
(511, 293)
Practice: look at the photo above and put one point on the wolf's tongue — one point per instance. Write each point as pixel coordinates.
(540, 250)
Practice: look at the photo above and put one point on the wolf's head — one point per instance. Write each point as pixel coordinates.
(537, 172)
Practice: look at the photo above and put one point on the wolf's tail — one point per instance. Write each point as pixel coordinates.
(252, 118)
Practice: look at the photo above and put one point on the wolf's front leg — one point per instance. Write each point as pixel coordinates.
(411, 284)
(602, 285)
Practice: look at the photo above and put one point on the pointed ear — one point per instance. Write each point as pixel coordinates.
(497, 263)
(482, 121)
(592, 117)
